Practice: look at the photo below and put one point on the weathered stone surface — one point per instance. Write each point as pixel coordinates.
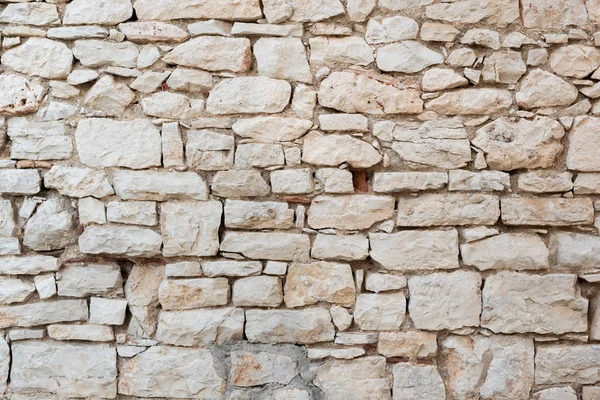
(13, 181)
(272, 129)
(377, 282)
(189, 80)
(517, 303)
(575, 250)
(503, 67)
(445, 300)
(247, 95)
(407, 56)
(552, 14)
(301, 10)
(52, 226)
(90, 333)
(415, 250)
(441, 144)
(98, 53)
(333, 150)
(141, 291)
(582, 140)
(109, 97)
(565, 393)
(159, 186)
(308, 284)
(144, 32)
(30, 265)
(213, 53)
(103, 12)
(358, 93)
(418, 382)
(18, 95)
(410, 344)
(349, 212)
(257, 291)
(566, 364)
(208, 150)
(14, 290)
(40, 57)
(343, 50)
(218, 9)
(500, 13)
(67, 369)
(254, 369)
(309, 325)
(200, 327)
(484, 181)
(190, 373)
(543, 89)
(345, 248)
(506, 251)
(491, 367)
(38, 14)
(545, 181)
(575, 61)
(241, 214)
(106, 143)
(282, 58)
(380, 311)
(132, 212)
(547, 211)
(231, 268)
(389, 182)
(438, 79)
(471, 102)
(43, 313)
(32, 140)
(365, 378)
(512, 145)
(130, 241)
(240, 183)
(191, 228)
(259, 155)
(78, 182)
(273, 246)
(184, 294)
(391, 29)
(448, 209)
(90, 279)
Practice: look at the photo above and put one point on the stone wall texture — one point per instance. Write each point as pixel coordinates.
(300, 199)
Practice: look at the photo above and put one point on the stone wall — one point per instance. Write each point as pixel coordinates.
(300, 199)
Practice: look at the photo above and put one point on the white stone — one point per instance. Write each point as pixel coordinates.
(40, 57)
(210, 27)
(561, 363)
(559, 393)
(131, 241)
(18, 95)
(91, 333)
(471, 102)
(213, 53)
(583, 137)
(81, 76)
(365, 377)
(357, 93)
(77, 32)
(245, 28)
(292, 181)
(153, 31)
(484, 181)
(108, 96)
(335, 180)
(19, 181)
(503, 67)
(445, 300)
(547, 211)
(301, 11)
(14, 290)
(78, 182)
(107, 311)
(545, 304)
(91, 211)
(349, 50)
(257, 291)
(52, 226)
(349, 212)
(543, 89)
(159, 186)
(191, 373)
(239, 183)
(258, 155)
(272, 246)
(345, 248)
(437, 32)
(241, 214)
(43, 313)
(231, 268)
(333, 150)
(391, 30)
(545, 181)
(90, 279)
(249, 95)
(271, 129)
(189, 80)
(98, 53)
(376, 282)
(389, 182)
(417, 382)
(553, 14)
(183, 269)
(382, 311)
(438, 79)
(575, 250)
(408, 57)
(185, 294)
(498, 12)
(254, 369)
(38, 14)
(208, 150)
(191, 228)
(309, 325)
(282, 58)
(67, 369)
(132, 212)
(104, 143)
(103, 12)
(198, 9)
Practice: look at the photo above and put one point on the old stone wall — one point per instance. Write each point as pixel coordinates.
(300, 199)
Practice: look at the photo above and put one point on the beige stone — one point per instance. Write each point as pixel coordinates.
(519, 303)
(380, 311)
(506, 251)
(582, 140)
(575, 61)
(575, 250)
(183, 294)
(547, 211)
(418, 382)
(198, 9)
(445, 300)
(343, 50)
(349, 212)
(345, 248)
(410, 344)
(501, 12)
(213, 53)
(273, 246)
(407, 57)
(552, 14)
(567, 364)
(471, 102)
(545, 181)
(355, 93)
(144, 32)
(543, 89)
(272, 129)
(308, 284)
(249, 95)
(257, 291)
(333, 150)
(309, 325)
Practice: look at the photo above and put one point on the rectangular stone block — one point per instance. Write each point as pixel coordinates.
(547, 211)
(183, 294)
(48, 312)
(67, 369)
(309, 325)
(349, 212)
(448, 209)
(118, 240)
(159, 186)
(579, 364)
(545, 304)
(272, 246)
(415, 250)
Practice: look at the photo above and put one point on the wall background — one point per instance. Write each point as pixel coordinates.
(300, 199)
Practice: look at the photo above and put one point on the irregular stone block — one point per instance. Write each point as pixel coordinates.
(309, 325)
(159, 185)
(345, 248)
(130, 241)
(40, 57)
(418, 382)
(410, 344)
(102, 12)
(183, 294)
(333, 150)
(198, 9)
(380, 312)
(567, 364)
(365, 378)
(241, 214)
(349, 212)
(78, 182)
(213, 53)
(547, 211)
(90, 279)
(272, 246)
(575, 250)
(583, 137)
(471, 102)
(448, 209)
(254, 369)
(31, 140)
(249, 95)
(506, 251)
(48, 312)
(257, 291)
